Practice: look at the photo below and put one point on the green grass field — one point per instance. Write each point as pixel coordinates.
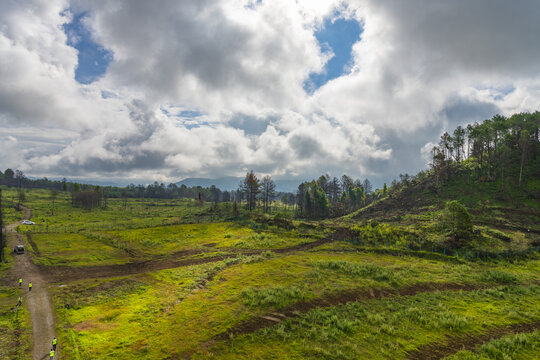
(121, 246)
(187, 310)
(265, 299)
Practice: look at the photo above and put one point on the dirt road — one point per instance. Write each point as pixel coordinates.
(37, 301)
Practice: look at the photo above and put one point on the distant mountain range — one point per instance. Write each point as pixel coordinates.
(231, 183)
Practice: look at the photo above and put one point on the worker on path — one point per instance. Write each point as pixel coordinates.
(19, 303)
(30, 286)
(52, 354)
(20, 282)
(54, 343)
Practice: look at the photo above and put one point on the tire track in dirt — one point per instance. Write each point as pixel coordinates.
(66, 273)
(453, 344)
(272, 318)
(38, 300)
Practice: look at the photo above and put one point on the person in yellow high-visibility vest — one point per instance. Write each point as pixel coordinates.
(30, 286)
(52, 354)
(54, 343)
(20, 282)
(19, 303)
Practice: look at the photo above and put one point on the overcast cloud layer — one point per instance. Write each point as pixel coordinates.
(213, 88)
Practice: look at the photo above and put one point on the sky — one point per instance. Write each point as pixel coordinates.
(136, 91)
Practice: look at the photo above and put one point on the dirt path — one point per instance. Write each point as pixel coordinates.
(37, 301)
(66, 273)
(340, 298)
(453, 344)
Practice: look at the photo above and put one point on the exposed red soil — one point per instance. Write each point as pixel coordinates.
(344, 297)
(453, 344)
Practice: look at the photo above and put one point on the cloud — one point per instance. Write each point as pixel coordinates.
(213, 55)
(212, 88)
(441, 65)
(252, 125)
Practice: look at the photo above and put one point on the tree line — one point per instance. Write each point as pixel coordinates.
(497, 148)
(319, 198)
(90, 196)
(330, 197)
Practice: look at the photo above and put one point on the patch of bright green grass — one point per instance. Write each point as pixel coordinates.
(383, 329)
(172, 312)
(73, 250)
(498, 276)
(269, 240)
(113, 318)
(168, 239)
(271, 297)
(374, 272)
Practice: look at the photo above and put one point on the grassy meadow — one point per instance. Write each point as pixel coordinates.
(262, 294)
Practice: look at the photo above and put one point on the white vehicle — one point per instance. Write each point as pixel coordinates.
(28, 222)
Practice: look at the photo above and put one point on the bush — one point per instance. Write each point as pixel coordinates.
(372, 271)
(271, 297)
(498, 276)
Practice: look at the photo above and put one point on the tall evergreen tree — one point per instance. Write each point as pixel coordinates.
(268, 191)
(251, 187)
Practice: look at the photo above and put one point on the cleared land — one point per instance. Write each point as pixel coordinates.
(206, 285)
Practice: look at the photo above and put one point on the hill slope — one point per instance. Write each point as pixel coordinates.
(510, 215)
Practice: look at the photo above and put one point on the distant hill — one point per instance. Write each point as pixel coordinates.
(231, 183)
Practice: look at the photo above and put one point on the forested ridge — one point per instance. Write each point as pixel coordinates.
(497, 149)
(501, 151)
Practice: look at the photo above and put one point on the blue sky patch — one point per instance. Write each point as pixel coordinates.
(93, 58)
(190, 113)
(339, 36)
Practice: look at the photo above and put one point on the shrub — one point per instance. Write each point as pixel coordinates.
(498, 276)
(374, 272)
(275, 296)
(458, 221)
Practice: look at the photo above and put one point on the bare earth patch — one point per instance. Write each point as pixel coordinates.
(453, 344)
